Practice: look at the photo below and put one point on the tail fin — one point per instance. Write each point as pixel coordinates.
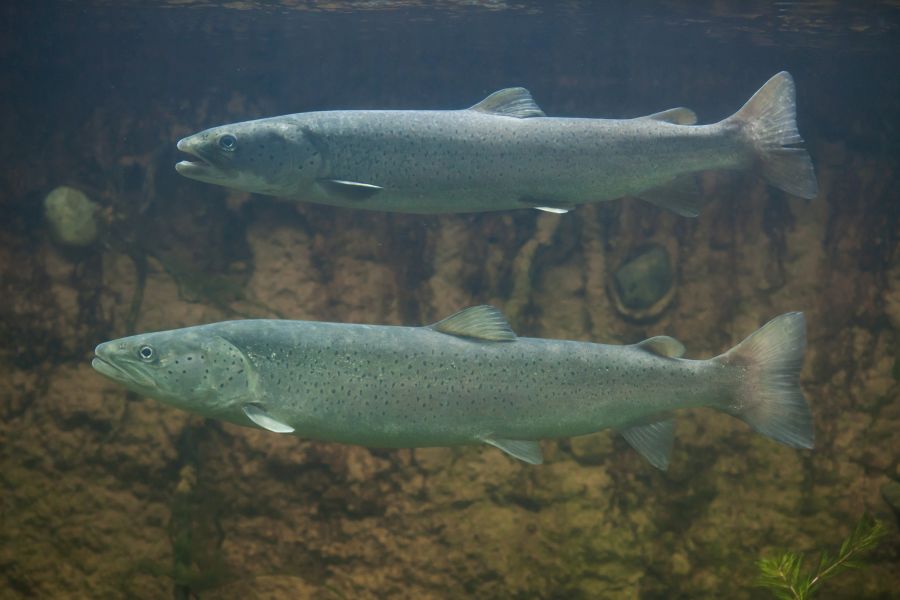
(769, 120)
(769, 398)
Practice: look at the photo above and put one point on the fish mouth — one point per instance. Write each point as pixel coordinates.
(109, 369)
(119, 374)
(198, 167)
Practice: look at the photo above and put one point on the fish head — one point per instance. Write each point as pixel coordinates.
(276, 156)
(186, 368)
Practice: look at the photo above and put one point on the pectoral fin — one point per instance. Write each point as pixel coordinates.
(546, 204)
(258, 415)
(479, 322)
(653, 441)
(349, 190)
(525, 450)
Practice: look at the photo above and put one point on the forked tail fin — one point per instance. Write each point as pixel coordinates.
(769, 121)
(769, 398)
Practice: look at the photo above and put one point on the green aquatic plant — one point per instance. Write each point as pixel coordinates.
(785, 576)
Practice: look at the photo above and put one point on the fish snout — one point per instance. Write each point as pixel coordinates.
(203, 163)
(107, 352)
(102, 350)
(104, 362)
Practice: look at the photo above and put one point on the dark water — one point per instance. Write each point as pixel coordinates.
(110, 495)
(607, 59)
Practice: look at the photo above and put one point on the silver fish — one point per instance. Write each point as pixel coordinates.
(467, 379)
(503, 153)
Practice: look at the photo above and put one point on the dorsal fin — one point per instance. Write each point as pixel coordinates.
(678, 116)
(510, 102)
(663, 345)
(480, 322)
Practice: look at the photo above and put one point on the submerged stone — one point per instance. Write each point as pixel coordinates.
(645, 279)
(71, 216)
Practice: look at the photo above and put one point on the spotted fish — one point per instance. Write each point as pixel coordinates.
(467, 379)
(503, 153)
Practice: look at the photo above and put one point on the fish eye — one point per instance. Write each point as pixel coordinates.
(228, 142)
(146, 352)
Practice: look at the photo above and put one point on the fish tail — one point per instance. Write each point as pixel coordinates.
(769, 122)
(769, 398)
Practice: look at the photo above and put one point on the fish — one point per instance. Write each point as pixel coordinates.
(465, 380)
(503, 153)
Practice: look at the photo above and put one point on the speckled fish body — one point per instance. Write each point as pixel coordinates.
(465, 380)
(502, 153)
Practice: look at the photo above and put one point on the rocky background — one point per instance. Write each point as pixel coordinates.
(106, 494)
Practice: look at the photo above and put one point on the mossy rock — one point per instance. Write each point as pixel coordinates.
(645, 279)
(71, 216)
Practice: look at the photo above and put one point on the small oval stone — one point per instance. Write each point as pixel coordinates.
(71, 216)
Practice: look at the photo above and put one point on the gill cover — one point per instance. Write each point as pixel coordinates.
(229, 377)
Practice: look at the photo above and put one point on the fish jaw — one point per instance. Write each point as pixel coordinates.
(104, 362)
(108, 369)
(201, 167)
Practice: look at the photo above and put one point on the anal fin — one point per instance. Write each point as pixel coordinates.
(653, 441)
(525, 450)
(681, 195)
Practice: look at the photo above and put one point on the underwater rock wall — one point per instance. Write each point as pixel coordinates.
(108, 494)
